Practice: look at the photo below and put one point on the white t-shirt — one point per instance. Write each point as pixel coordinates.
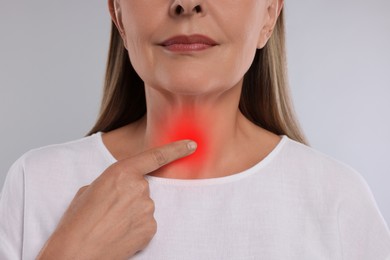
(297, 203)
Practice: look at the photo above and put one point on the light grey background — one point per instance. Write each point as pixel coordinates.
(52, 62)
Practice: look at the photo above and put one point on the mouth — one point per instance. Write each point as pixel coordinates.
(190, 43)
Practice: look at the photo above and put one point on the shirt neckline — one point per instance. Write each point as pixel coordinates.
(208, 181)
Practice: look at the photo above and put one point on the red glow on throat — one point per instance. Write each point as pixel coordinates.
(183, 127)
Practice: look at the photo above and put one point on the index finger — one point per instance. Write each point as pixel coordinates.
(155, 158)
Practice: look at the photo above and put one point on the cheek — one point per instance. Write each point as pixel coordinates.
(139, 31)
(240, 54)
(139, 55)
(242, 34)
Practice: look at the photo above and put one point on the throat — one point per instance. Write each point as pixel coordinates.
(181, 126)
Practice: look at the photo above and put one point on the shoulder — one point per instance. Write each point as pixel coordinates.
(61, 165)
(59, 155)
(299, 154)
(70, 149)
(309, 174)
(49, 160)
(311, 165)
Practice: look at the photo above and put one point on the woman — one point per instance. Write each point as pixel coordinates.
(138, 186)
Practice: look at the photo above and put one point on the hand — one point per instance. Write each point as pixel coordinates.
(112, 218)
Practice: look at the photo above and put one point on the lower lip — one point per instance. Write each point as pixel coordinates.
(188, 47)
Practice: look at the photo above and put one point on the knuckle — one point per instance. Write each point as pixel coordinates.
(142, 186)
(81, 190)
(159, 157)
(114, 171)
(118, 169)
(122, 173)
(152, 227)
(150, 207)
(117, 175)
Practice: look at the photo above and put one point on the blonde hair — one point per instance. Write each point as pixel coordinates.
(265, 98)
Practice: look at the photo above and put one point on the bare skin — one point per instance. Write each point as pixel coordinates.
(124, 142)
(113, 217)
(202, 88)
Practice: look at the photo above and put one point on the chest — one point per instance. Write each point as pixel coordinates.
(238, 226)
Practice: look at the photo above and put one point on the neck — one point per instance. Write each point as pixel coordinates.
(213, 121)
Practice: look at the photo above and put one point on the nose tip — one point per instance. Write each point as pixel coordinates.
(183, 8)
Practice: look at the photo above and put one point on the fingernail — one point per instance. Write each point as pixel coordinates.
(192, 145)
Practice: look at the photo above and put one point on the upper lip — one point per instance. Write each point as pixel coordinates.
(189, 39)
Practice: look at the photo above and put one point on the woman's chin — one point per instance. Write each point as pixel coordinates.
(192, 89)
(193, 84)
